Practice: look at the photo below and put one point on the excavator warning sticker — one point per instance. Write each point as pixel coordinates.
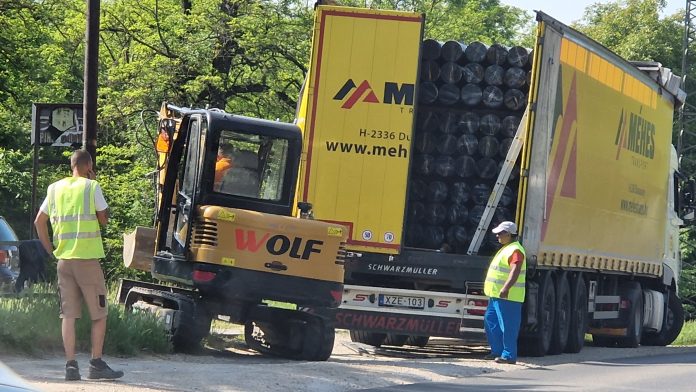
(227, 216)
(229, 261)
(335, 231)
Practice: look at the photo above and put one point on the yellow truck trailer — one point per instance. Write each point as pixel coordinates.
(593, 175)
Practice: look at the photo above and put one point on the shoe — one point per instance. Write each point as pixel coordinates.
(505, 360)
(490, 357)
(98, 369)
(72, 371)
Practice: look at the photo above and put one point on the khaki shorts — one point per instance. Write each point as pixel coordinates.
(78, 279)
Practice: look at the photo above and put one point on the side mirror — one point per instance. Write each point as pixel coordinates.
(687, 200)
(305, 210)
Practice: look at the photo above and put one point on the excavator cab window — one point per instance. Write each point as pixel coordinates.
(250, 166)
(188, 180)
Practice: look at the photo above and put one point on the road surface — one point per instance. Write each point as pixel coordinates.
(666, 372)
(229, 366)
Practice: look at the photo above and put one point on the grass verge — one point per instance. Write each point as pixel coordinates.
(687, 337)
(29, 324)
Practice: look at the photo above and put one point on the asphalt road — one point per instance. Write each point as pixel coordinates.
(670, 372)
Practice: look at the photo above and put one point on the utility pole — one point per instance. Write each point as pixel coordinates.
(686, 142)
(89, 135)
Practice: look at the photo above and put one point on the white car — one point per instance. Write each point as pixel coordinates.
(12, 382)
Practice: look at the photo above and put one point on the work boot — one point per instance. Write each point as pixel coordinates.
(72, 371)
(98, 369)
(508, 361)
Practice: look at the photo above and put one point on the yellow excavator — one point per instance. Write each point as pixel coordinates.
(230, 242)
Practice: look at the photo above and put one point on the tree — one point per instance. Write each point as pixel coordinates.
(634, 30)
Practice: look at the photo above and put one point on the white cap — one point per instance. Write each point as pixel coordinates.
(508, 226)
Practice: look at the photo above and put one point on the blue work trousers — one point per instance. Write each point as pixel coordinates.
(502, 324)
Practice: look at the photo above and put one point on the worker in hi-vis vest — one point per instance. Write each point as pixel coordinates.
(76, 207)
(504, 286)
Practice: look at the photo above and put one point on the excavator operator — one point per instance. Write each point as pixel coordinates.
(223, 163)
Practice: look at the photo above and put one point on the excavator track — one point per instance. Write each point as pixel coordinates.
(291, 334)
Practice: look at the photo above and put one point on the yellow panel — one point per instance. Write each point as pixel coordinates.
(564, 50)
(603, 68)
(618, 79)
(572, 50)
(359, 119)
(581, 59)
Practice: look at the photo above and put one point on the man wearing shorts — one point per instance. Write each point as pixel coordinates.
(76, 207)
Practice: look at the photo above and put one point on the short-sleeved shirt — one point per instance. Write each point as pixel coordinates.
(99, 201)
(515, 258)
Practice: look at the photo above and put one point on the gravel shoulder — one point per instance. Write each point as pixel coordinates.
(232, 367)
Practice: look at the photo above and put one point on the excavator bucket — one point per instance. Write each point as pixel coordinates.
(138, 248)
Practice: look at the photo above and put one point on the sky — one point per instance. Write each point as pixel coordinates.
(568, 11)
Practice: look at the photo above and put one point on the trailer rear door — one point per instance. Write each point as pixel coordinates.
(357, 119)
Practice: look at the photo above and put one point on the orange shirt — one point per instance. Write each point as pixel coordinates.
(516, 257)
(222, 165)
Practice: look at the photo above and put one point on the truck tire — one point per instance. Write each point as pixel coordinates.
(559, 337)
(673, 323)
(634, 293)
(537, 345)
(393, 339)
(418, 341)
(372, 338)
(578, 315)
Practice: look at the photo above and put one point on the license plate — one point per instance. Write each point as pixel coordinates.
(402, 301)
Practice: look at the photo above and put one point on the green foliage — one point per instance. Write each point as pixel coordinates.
(30, 324)
(15, 189)
(487, 21)
(634, 30)
(125, 175)
(41, 52)
(687, 337)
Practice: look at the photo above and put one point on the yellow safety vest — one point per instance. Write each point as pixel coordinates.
(499, 270)
(73, 216)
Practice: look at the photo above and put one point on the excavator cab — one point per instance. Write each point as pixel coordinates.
(228, 161)
(226, 234)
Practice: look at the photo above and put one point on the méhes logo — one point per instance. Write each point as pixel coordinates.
(393, 93)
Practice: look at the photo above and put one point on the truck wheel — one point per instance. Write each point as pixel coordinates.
(673, 323)
(538, 344)
(419, 341)
(635, 323)
(393, 339)
(578, 315)
(559, 337)
(371, 338)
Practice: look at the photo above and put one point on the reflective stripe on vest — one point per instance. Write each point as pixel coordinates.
(499, 270)
(74, 220)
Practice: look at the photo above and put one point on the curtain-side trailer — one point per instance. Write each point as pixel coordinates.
(596, 179)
